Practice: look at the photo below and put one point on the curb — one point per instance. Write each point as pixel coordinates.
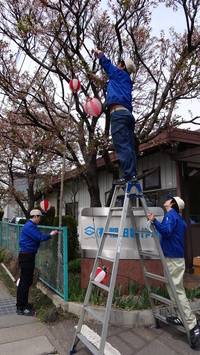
(131, 319)
(118, 317)
(8, 272)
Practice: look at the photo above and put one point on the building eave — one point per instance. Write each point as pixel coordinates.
(168, 138)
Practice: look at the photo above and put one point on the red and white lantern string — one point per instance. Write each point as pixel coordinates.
(74, 85)
(93, 107)
(45, 206)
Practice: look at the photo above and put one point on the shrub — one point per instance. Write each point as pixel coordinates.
(22, 221)
(2, 255)
(72, 235)
(74, 266)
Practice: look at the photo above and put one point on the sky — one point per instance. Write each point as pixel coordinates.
(163, 18)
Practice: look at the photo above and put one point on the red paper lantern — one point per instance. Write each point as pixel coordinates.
(74, 85)
(101, 275)
(93, 107)
(45, 206)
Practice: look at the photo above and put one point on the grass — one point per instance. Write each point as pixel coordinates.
(135, 297)
(2, 255)
(76, 294)
(193, 293)
(8, 283)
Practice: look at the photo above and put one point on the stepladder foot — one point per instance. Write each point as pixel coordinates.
(157, 325)
(193, 347)
(73, 351)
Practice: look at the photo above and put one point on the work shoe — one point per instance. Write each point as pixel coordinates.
(174, 320)
(120, 181)
(195, 335)
(26, 312)
(123, 181)
(29, 305)
(19, 311)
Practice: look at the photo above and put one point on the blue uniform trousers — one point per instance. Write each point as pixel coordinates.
(122, 131)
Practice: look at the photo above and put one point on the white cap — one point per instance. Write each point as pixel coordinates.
(179, 201)
(130, 66)
(36, 213)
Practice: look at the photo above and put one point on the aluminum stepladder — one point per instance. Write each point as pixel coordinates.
(125, 210)
(110, 290)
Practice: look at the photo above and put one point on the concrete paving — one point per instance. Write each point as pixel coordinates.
(21, 335)
(129, 341)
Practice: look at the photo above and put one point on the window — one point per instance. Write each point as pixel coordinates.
(158, 198)
(152, 181)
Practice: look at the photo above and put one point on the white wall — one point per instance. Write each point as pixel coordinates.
(167, 168)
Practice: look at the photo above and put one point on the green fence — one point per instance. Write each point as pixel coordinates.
(51, 258)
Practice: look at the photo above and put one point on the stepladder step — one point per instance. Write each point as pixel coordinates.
(102, 286)
(156, 277)
(89, 335)
(162, 299)
(96, 315)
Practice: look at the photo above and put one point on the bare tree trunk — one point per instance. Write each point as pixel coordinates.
(91, 178)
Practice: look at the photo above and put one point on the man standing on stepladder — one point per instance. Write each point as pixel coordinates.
(118, 102)
(172, 231)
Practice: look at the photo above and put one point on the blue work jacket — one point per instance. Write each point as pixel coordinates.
(172, 230)
(31, 237)
(119, 86)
